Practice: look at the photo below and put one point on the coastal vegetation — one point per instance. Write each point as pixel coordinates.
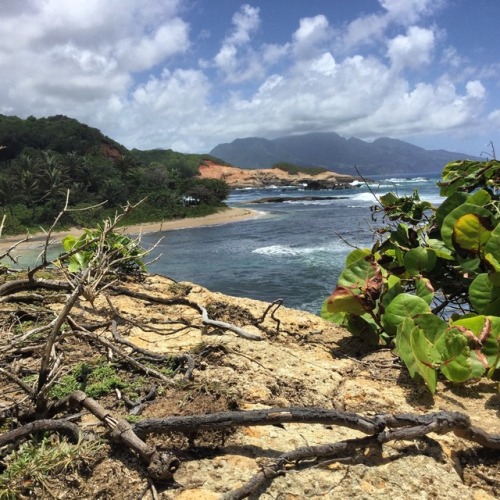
(430, 285)
(42, 159)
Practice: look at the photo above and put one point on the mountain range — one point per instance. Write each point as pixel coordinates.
(333, 152)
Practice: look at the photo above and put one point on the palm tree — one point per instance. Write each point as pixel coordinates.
(28, 188)
(52, 177)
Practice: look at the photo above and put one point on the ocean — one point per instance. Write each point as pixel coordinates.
(294, 250)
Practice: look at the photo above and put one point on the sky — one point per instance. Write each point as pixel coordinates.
(191, 74)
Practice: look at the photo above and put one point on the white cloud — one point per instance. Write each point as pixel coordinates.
(169, 39)
(235, 60)
(245, 21)
(475, 89)
(413, 49)
(372, 28)
(112, 65)
(82, 50)
(311, 35)
(409, 11)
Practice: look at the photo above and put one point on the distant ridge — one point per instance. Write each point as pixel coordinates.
(334, 152)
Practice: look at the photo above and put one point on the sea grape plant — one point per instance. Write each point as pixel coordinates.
(430, 284)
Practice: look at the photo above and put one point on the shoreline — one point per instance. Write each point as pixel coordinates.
(225, 216)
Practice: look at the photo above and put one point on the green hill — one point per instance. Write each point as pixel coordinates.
(43, 158)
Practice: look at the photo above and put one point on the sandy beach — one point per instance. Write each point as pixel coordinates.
(225, 216)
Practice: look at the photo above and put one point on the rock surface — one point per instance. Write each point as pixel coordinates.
(301, 361)
(308, 362)
(256, 178)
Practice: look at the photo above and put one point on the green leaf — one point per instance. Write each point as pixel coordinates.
(454, 356)
(420, 260)
(487, 330)
(364, 327)
(492, 247)
(394, 289)
(440, 249)
(69, 242)
(424, 289)
(358, 273)
(337, 318)
(359, 253)
(403, 306)
(471, 233)
(450, 220)
(414, 349)
(484, 295)
(432, 325)
(448, 205)
(344, 300)
(480, 198)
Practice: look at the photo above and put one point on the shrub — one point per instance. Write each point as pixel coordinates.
(430, 286)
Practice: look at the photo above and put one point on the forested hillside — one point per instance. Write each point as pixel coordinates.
(41, 159)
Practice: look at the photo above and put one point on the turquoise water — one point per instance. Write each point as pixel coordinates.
(296, 252)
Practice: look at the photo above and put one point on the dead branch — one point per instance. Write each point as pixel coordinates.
(188, 376)
(278, 467)
(185, 358)
(25, 387)
(408, 426)
(273, 307)
(148, 328)
(61, 318)
(40, 425)
(271, 416)
(161, 466)
(135, 407)
(22, 285)
(381, 429)
(186, 302)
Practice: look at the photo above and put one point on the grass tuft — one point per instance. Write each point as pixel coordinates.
(35, 463)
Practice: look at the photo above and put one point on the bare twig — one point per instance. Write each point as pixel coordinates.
(61, 318)
(273, 307)
(25, 387)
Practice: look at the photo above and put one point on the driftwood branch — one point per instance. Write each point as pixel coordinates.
(381, 429)
(386, 427)
(258, 417)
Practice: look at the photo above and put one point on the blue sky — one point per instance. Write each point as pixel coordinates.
(190, 74)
